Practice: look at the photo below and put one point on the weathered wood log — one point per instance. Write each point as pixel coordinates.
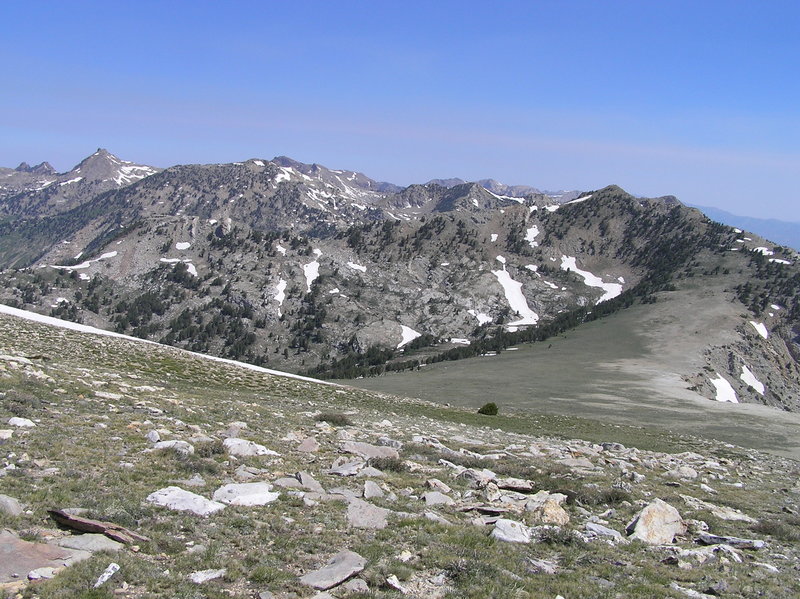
(111, 530)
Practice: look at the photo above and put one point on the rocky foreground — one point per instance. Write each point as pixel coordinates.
(133, 470)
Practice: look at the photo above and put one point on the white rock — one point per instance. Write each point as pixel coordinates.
(247, 494)
(21, 422)
(511, 531)
(657, 524)
(181, 447)
(178, 499)
(243, 448)
(205, 575)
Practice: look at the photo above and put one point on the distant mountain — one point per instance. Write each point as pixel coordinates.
(40, 190)
(334, 274)
(780, 231)
(514, 191)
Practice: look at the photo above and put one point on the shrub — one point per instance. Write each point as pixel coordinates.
(489, 409)
(389, 464)
(334, 419)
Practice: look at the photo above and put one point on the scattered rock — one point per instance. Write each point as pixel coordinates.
(308, 445)
(91, 542)
(478, 479)
(309, 482)
(106, 575)
(514, 484)
(709, 539)
(178, 499)
(682, 472)
(394, 582)
(603, 531)
(541, 566)
(45, 573)
(203, 576)
(180, 447)
(361, 514)
(246, 494)
(347, 467)
(372, 489)
(511, 531)
(545, 508)
(434, 517)
(339, 568)
(721, 512)
(368, 451)
(370, 472)
(10, 506)
(153, 437)
(437, 485)
(21, 422)
(657, 524)
(356, 585)
(20, 556)
(244, 449)
(437, 498)
(6, 434)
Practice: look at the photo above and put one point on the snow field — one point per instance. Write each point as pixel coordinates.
(612, 290)
(725, 392)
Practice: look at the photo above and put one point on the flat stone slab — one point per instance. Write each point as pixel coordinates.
(20, 557)
(178, 499)
(248, 494)
(362, 514)
(368, 451)
(244, 448)
(175, 445)
(90, 542)
(437, 498)
(511, 531)
(339, 568)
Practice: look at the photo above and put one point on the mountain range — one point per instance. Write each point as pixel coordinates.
(333, 274)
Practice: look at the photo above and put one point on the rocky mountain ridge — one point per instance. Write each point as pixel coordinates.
(311, 269)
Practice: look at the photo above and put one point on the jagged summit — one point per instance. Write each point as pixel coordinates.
(43, 168)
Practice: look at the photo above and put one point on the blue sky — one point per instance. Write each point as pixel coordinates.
(696, 99)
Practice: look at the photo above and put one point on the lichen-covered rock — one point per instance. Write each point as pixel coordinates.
(657, 524)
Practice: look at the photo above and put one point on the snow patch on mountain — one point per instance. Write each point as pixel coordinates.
(530, 236)
(760, 328)
(311, 270)
(280, 293)
(725, 392)
(481, 317)
(750, 379)
(355, 266)
(409, 335)
(612, 290)
(516, 299)
(183, 245)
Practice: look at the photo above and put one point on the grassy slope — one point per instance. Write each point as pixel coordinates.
(627, 368)
(97, 444)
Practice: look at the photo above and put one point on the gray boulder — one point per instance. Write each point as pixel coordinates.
(10, 506)
(178, 499)
(657, 524)
(246, 494)
(339, 568)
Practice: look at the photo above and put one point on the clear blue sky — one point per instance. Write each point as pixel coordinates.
(698, 99)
